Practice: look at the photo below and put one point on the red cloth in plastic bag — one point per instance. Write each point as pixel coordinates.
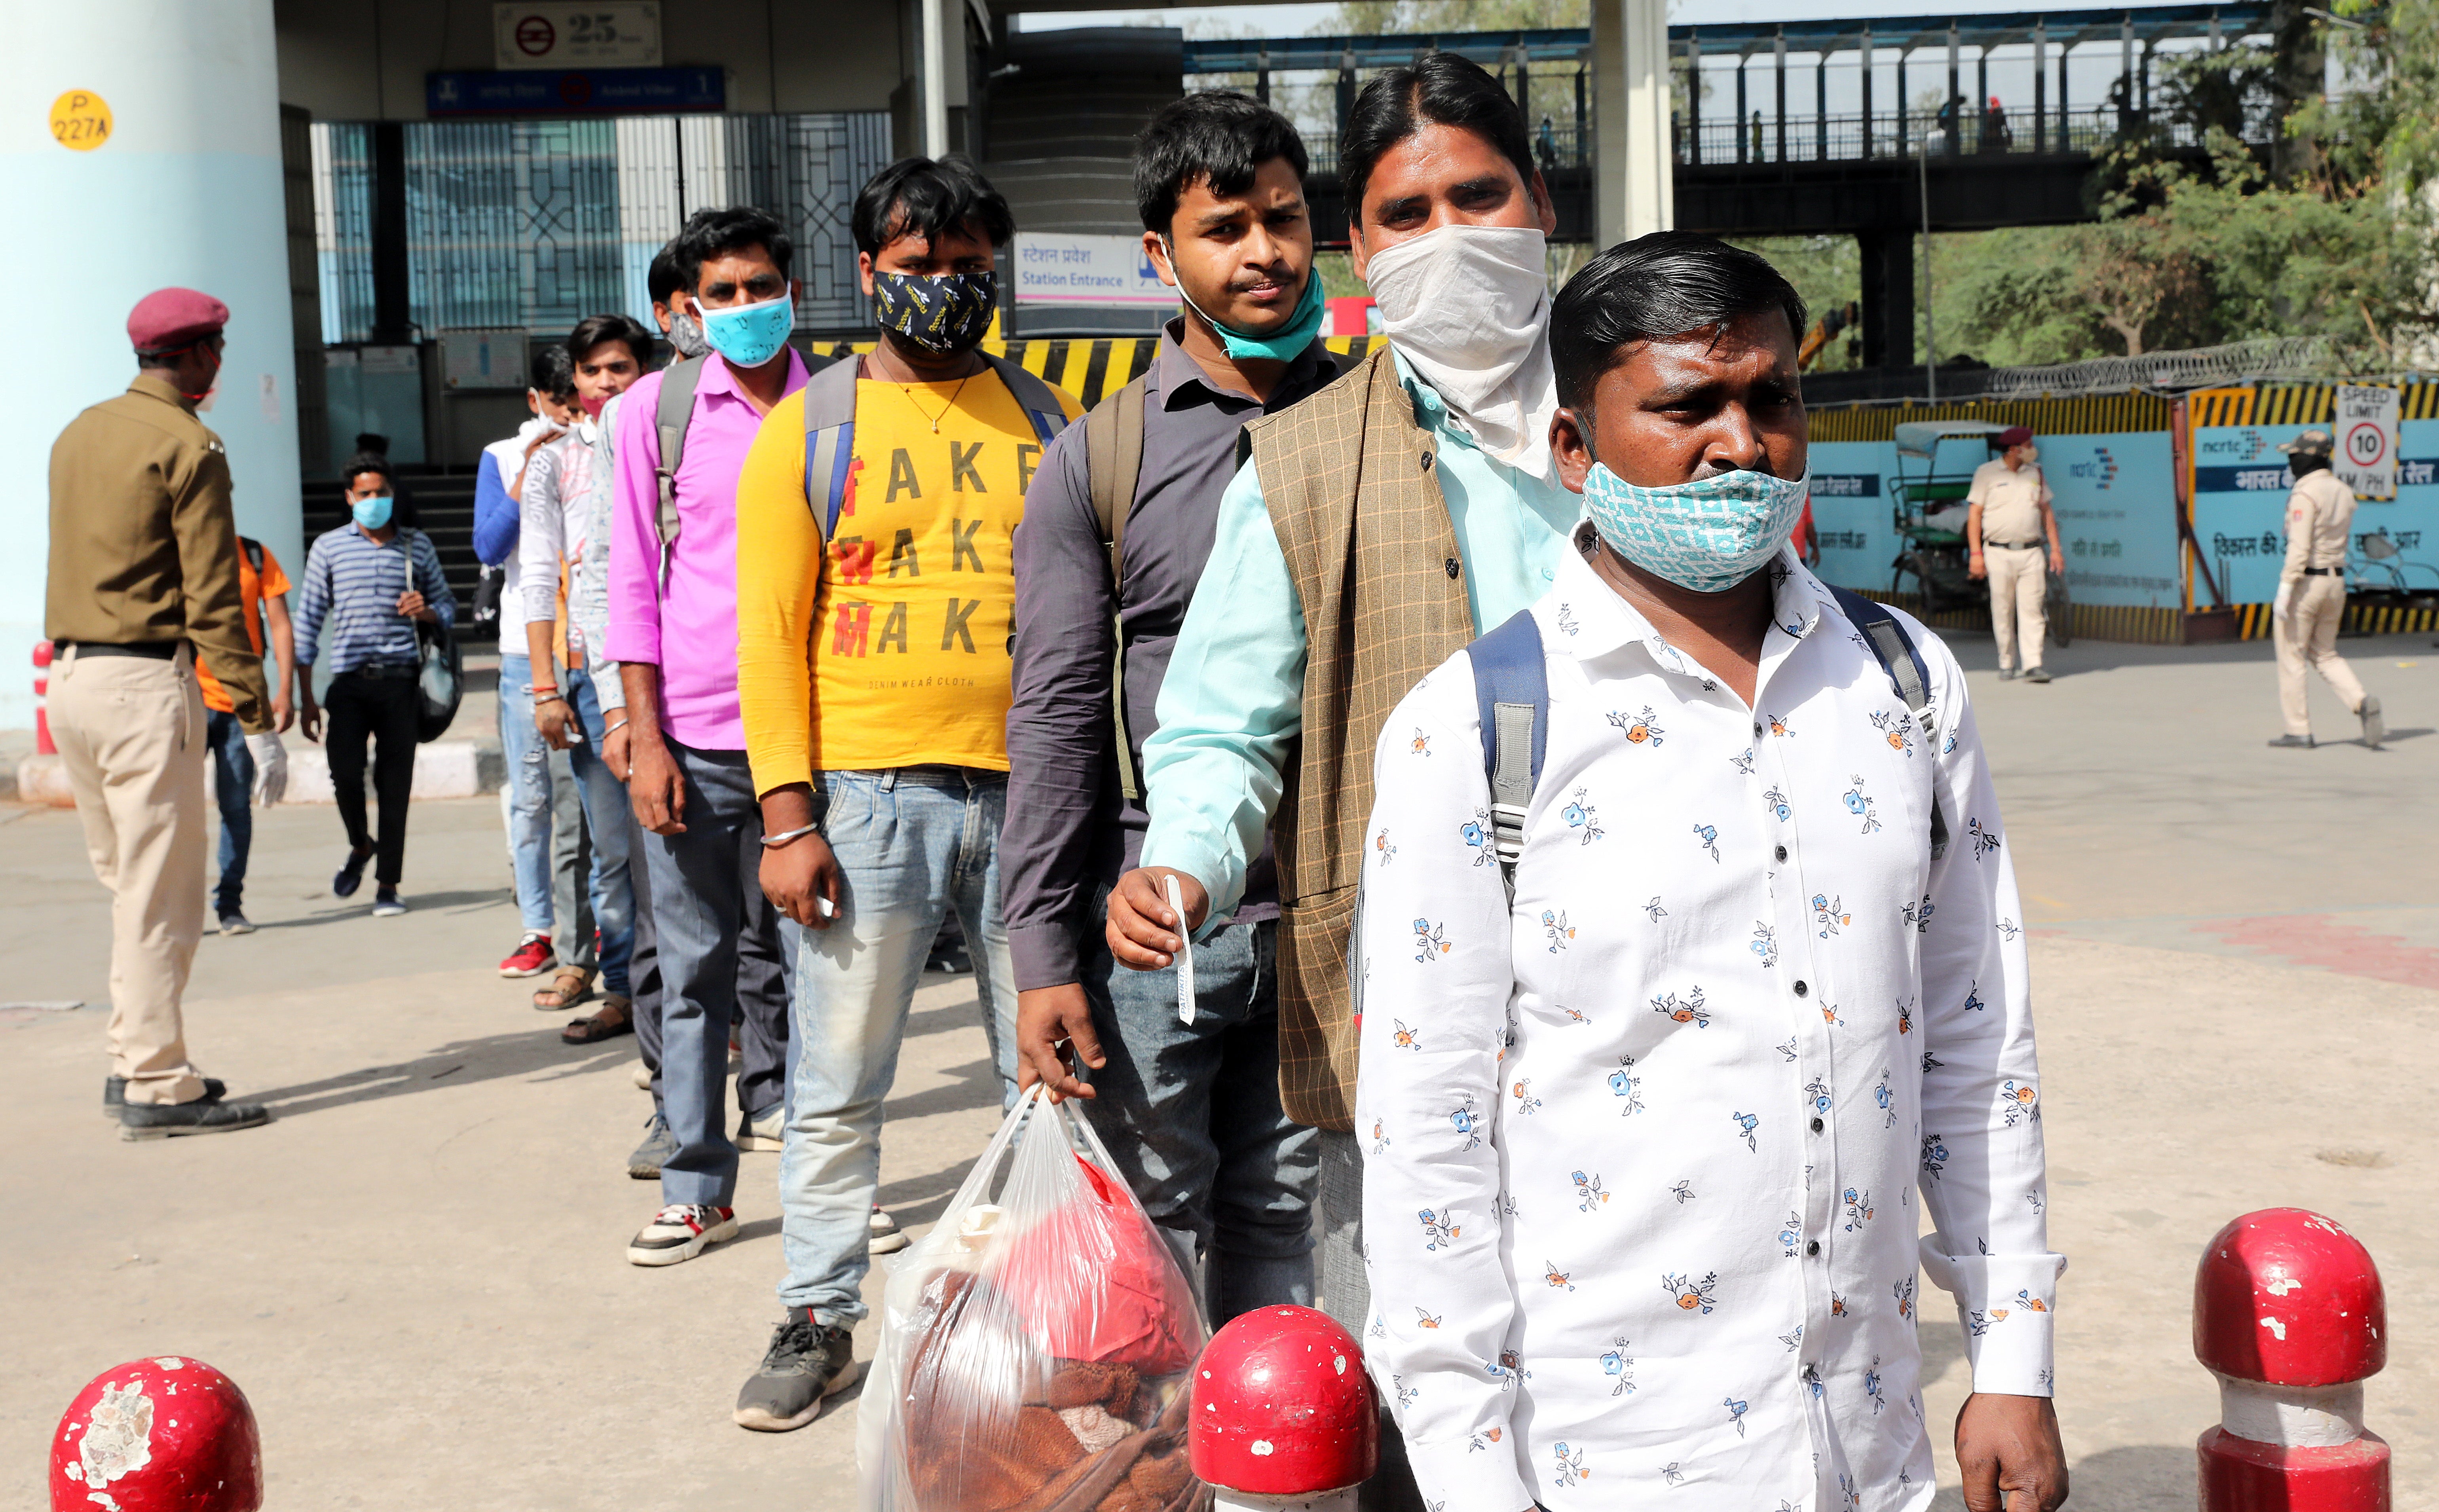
(1134, 1321)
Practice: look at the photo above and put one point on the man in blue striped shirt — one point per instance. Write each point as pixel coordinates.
(368, 583)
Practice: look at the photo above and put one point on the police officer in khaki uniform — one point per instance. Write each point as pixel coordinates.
(143, 579)
(2312, 592)
(2013, 536)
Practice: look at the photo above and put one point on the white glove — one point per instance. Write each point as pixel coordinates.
(270, 768)
(2278, 605)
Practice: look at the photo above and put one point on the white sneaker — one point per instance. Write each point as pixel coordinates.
(885, 1238)
(386, 903)
(680, 1231)
(768, 1132)
(642, 1077)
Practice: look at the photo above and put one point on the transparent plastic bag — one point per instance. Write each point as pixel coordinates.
(1035, 1345)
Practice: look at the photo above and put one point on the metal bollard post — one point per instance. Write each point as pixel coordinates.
(2289, 1315)
(163, 1434)
(42, 745)
(1283, 1417)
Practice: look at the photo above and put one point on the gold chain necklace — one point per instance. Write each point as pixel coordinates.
(935, 419)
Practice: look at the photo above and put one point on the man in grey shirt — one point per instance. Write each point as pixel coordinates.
(1190, 1110)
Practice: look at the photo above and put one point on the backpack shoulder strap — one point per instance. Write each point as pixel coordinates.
(1511, 688)
(1036, 397)
(1113, 442)
(1907, 672)
(674, 413)
(830, 442)
(253, 550)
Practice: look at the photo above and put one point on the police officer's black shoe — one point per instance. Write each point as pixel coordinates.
(113, 1094)
(141, 1121)
(2298, 742)
(2374, 728)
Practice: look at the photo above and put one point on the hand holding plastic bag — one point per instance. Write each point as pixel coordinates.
(1035, 1345)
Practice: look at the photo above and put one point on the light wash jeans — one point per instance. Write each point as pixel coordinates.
(912, 843)
(606, 814)
(525, 797)
(1191, 1114)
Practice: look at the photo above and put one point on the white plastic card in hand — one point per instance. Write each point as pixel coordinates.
(1184, 957)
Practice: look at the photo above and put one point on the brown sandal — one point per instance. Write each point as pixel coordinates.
(572, 985)
(609, 1021)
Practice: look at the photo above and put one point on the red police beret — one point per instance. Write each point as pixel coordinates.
(2015, 435)
(168, 319)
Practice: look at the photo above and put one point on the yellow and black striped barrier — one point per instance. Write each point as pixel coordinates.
(1090, 367)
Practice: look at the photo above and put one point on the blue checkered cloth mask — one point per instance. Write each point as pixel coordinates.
(1708, 535)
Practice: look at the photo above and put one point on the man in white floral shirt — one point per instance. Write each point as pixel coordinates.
(1644, 1126)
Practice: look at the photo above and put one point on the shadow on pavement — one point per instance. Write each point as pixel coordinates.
(2137, 1478)
(361, 906)
(521, 1054)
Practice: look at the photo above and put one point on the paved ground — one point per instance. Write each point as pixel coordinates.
(417, 1274)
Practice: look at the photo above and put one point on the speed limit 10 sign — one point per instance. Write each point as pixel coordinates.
(2366, 437)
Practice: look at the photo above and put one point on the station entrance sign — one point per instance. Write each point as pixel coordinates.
(1055, 268)
(2366, 437)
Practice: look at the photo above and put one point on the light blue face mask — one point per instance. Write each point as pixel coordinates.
(1279, 346)
(750, 335)
(1708, 535)
(373, 513)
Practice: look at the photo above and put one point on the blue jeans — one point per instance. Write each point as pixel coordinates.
(1191, 1114)
(606, 816)
(527, 796)
(698, 884)
(911, 844)
(233, 781)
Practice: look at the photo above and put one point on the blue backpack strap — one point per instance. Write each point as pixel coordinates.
(830, 441)
(1035, 397)
(1511, 688)
(1907, 672)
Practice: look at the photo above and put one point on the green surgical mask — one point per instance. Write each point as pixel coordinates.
(1281, 345)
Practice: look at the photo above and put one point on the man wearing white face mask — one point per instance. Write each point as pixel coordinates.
(1380, 525)
(1671, 1252)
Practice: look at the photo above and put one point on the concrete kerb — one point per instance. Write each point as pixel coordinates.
(444, 768)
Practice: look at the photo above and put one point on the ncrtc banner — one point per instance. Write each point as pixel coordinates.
(2366, 437)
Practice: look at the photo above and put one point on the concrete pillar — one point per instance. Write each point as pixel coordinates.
(1888, 298)
(1636, 170)
(185, 188)
(935, 78)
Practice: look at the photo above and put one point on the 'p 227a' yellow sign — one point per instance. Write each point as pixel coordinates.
(81, 120)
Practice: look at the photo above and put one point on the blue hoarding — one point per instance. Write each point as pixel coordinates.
(2240, 486)
(2112, 493)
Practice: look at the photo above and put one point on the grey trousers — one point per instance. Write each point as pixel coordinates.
(1347, 1296)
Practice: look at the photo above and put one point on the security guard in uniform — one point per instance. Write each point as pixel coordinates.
(2312, 592)
(143, 579)
(2012, 535)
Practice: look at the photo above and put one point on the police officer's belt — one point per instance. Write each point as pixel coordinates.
(149, 650)
(2011, 545)
(2322, 572)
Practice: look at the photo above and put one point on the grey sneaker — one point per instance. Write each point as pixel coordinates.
(886, 1238)
(2007, 675)
(2035, 674)
(113, 1094)
(2291, 742)
(659, 1145)
(235, 922)
(807, 1363)
(2374, 728)
(766, 1131)
(142, 1121)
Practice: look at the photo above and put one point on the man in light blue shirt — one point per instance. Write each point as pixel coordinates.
(1448, 233)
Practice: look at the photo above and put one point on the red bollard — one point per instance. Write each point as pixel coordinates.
(2289, 1315)
(1283, 1417)
(42, 745)
(157, 1435)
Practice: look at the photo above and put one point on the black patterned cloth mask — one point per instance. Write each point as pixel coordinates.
(949, 313)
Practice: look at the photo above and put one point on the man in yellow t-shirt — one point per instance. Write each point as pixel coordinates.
(238, 758)
(876, 593)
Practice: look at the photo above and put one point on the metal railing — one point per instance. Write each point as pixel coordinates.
(1894, 133)
(2237, 362)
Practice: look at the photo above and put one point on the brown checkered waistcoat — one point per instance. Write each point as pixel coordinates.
(1348, 478)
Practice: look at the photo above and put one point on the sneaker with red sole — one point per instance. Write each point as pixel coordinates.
(532, 957)
(680, 1231)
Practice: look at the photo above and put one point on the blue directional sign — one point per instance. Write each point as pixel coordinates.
(576, 92)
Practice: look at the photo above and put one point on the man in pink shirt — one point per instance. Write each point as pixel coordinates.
(673, 591)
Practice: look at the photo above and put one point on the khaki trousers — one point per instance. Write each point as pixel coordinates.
(131, 734)
(2020, 576)
(2307, 637)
